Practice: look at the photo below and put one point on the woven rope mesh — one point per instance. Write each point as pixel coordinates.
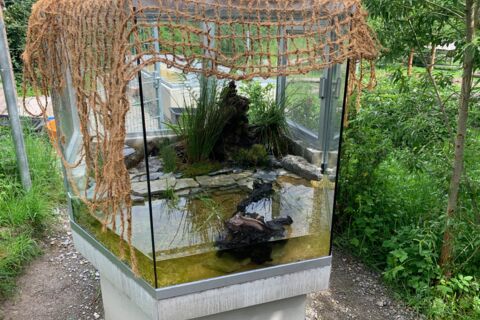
(103, 44)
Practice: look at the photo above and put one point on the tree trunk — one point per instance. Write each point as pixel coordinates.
(433, 56)
(410, 62)
(468, 65)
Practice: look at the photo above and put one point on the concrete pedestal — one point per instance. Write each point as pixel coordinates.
(119, 306)
(275, 293)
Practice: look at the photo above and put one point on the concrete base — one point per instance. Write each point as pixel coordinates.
(286, 309)
(118, 306)
(273, 296)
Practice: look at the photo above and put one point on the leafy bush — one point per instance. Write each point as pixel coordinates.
(255, 156)
(456, 298)
(393, 180)
(202, 123)
(267, 115)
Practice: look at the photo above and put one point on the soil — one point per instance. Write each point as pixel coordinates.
(62, 285)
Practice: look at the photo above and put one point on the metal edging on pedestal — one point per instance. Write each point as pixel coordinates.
(207, 284)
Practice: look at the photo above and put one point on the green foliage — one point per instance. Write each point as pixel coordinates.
(16, 17)
(169, 157)
(24, 216)
(192, 170)
(202, 123)
(255, 156)
(267, 115)
(393, 183)
(456, 298)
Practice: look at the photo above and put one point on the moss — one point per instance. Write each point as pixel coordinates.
(255, 156)
(111, 240)
(199, 168)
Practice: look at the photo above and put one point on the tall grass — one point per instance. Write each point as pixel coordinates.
(202, 123)
(24, 216)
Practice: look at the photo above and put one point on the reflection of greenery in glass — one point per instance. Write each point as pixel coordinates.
(267, 115)
(304, 107)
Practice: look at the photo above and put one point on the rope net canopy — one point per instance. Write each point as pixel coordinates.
(101, 45)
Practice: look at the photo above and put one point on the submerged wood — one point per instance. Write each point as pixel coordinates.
(248, 235)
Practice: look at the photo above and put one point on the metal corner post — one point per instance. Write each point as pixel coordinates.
(10, 91)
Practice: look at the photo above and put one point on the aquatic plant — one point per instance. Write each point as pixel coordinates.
(202, 122)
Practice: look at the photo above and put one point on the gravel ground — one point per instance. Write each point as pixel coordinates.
(59, 285)
(62, 285)
(355, 293)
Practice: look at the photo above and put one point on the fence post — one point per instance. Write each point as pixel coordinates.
(10, 91)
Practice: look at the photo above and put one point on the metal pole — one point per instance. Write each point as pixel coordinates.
(157, 78)
(11, 99)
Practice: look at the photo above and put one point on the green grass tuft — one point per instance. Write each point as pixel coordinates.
(24, 216)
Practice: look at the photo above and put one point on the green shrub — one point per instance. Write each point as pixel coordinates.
(395, 168)
(255, 156)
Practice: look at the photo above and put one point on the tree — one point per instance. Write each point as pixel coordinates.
(16, 14)
(415, 24)
(432, 20)
(472, 8)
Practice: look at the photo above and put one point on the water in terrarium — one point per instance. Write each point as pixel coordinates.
(233, 182)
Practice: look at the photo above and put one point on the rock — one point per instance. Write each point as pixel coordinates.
(216, 181)
(241, 175)
(273, 162)
(135, 176)
(154, 176)
(154, 164)
(265, 176)
(246, 184)
(219, 172)
(185, 184)
(131, 157)
(157, 186)
(381, 303)
(178, 175)
(137, 199)
(301, 167)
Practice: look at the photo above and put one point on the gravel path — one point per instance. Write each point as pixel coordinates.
(62, 285)
(355, 293)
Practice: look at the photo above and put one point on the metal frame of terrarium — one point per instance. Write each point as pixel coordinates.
(330, 88)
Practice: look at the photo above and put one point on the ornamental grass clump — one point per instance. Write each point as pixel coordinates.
(202, 122)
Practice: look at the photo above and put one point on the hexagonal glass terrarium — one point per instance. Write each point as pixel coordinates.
(230, 170)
